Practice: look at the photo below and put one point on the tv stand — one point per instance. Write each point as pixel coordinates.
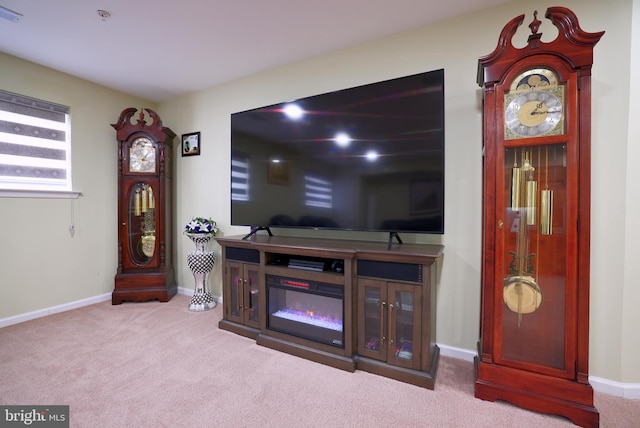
(255, 230)
(380, 301)
(391, 236)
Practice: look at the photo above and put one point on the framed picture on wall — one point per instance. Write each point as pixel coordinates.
(425, 197)
(278, 173)
(191, 144)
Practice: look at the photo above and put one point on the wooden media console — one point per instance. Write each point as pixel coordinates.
(347, 304)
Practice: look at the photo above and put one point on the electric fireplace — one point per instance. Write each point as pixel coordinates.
(306, 309)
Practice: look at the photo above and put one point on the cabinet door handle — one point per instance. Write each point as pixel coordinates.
(248, 284)
(382, 316)
(390, 318)
(240, 292)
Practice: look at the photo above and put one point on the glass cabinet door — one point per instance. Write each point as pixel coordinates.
(404, 325)
(389, 322)
(252, 295)
(373, 315)
(244, 293)
(235, 281)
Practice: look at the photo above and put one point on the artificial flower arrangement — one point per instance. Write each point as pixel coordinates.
(201, 225)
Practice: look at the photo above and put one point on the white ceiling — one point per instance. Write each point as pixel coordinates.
(164, 48)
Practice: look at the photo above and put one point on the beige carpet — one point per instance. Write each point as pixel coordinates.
(158, 365)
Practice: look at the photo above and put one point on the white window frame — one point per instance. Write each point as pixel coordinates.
(35, 148)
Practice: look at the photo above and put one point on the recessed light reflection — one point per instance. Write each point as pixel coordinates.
(293, 111)
(372, 155)
(342, 139)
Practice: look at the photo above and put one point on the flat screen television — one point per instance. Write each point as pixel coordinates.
(368, 158)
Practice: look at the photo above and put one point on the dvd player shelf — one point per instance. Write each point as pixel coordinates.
(353, 305)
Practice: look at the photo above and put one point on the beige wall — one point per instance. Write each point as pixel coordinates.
(455, 46)
(41, 265)
(83, 266)
(630, 320)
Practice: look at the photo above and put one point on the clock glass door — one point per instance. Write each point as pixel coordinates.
(535, 275)
(142, 223)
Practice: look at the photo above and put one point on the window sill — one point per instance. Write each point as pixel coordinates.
(39, 194)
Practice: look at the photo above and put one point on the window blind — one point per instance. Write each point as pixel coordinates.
(239, 176)
(318, 191)
(35, 146)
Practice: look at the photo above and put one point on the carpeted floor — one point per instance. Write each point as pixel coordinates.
(158, 365)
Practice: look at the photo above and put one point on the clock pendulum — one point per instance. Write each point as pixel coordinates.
(521, 293)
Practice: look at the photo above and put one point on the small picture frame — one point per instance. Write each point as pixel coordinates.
(278, 173)
(425, 197)
(191, 144)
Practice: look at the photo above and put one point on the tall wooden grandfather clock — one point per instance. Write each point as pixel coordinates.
(145, 221)
(534, 349)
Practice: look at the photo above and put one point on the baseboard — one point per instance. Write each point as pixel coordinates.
(457, 353)
(605, 386)
(185, 291)
(5, 322)
(17, 319)
(626, 390)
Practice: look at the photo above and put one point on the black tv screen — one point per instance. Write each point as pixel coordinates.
(368, 158)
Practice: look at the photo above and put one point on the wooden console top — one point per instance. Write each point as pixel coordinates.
(410, 253)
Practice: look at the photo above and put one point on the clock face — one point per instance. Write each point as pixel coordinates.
(535, 106)
(142, 156)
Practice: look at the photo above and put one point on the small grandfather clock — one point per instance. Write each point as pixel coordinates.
(145, 221)
(534, 345)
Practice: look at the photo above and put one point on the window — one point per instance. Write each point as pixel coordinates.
(317, 191)
(35, 144)
(239, 177)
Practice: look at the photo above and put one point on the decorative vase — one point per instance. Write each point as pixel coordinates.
(201, 263)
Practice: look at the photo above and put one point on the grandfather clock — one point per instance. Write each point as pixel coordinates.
(145, 221)
(534, 346)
